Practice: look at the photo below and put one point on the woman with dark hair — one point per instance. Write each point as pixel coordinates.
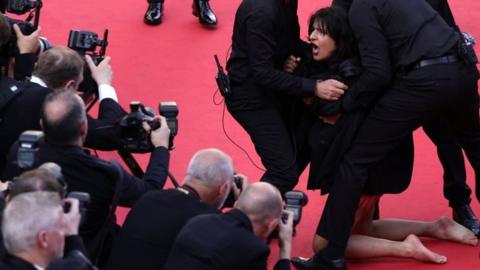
(334, 55)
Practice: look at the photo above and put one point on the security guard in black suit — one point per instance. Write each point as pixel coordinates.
(65, 128)
(200, 9)
(236, 240)
(145, 245)
(455, 188)
(415, 61)
(23, 111)
(264, 97)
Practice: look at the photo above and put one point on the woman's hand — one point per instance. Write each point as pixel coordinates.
(291, 64)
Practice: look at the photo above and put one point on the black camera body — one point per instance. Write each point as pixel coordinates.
(83, 202)
(20, 7)
(134, 137)
(28, 145)
(86, 43)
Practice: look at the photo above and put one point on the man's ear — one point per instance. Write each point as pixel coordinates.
(71, 85)
(272, 225)
(224, 189)
(84, 128)
(42, 239)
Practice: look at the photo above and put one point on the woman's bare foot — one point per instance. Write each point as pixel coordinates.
(447, 229)
(418, 251)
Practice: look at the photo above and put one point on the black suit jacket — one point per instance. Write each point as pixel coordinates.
(89, 174)
(73, 261)
(220, 242)
(10, 262)
(151, 227)
(24, 113)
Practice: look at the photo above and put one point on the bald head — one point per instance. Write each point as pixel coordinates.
(63, 117)
(261, 202)
(211, 167)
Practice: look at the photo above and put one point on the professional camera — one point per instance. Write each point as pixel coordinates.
(22, 6)
(83, 202)
(134, 137)
(86, 43)
(28, 146)
(295, 201)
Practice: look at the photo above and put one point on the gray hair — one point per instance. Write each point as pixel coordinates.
(26, 215)
(211, 166)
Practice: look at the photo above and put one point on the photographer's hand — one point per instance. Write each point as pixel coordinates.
(102, 74)
(72, 218)
(27, 44)
(160, 136)
(285, 233)
(330, 89)
(244, 183)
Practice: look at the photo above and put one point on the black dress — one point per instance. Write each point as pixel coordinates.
(328, 143)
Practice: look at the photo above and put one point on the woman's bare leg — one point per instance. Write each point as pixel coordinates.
(362, 247)
(444, 228)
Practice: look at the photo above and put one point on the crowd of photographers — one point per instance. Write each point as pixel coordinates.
(59, 201)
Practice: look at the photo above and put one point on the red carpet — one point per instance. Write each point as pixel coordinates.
(174, 61)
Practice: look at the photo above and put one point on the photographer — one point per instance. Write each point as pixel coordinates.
(235, 240)
(60, 69)
(64, 123)
(34, 228)
(41, 180)
(28, 46)
(146, 245)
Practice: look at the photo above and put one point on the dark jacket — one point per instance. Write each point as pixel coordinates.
(329, 143)
(265, 33)
(97, 177)
(151, 227)
(220, 242)
(74, 258)
(25, 110)
(11, 262)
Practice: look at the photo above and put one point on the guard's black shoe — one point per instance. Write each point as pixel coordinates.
(154, 13)
(319, 262)
(465, 216)
(204, 12)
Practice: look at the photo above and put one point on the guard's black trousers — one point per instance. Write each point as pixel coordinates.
(449, 151)
(282, 151)
(448, 91)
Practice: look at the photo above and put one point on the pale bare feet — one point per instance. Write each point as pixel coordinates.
(418, 251)
(448, 229)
